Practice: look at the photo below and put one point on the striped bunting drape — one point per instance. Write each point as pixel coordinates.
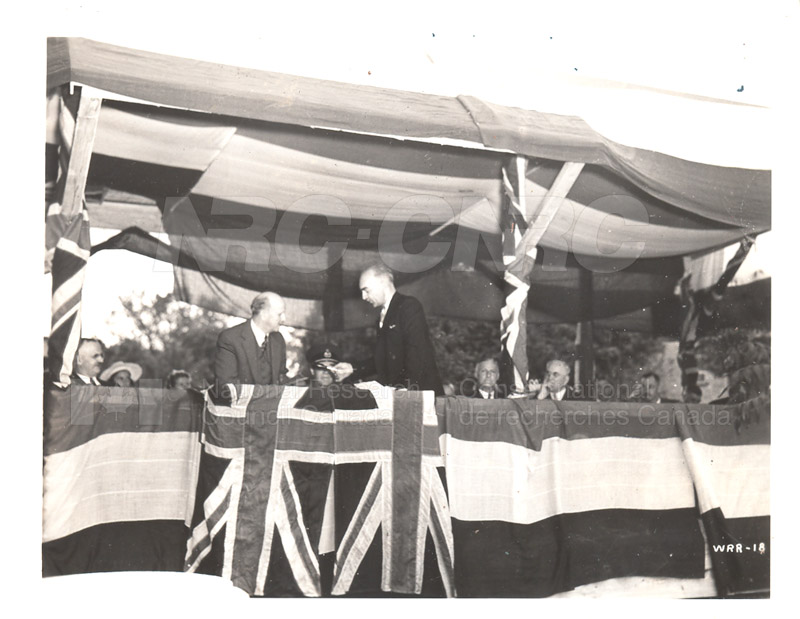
(67, 247)
(593, 499)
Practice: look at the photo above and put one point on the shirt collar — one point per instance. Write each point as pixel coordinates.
(260, 335)
(85, 379)
(488, 392)
(560, 393)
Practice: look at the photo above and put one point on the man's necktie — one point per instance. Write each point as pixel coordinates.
(264, 347)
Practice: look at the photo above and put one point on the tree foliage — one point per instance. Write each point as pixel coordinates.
(168, 334)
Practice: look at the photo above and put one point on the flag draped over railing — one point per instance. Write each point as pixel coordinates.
(67, 248)
(269, 460)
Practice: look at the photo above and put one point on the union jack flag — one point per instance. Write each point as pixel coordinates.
(280, 462)
(67, 247)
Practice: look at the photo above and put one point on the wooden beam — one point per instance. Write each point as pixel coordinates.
(548, 208)
(80, 155)
(584, 340)
(332, 300)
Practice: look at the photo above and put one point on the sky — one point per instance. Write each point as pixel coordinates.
(572, 57)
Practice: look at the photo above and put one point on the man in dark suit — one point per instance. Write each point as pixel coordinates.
(555, 385)
(88, 362)
(649, 389)
(487, 371)
(404, 356)
(254, 352)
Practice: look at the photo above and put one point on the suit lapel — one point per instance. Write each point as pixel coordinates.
(392, 310)
(251, 350)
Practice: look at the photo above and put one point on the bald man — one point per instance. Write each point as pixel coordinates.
(404, 355)
(555, 385)
(254, 352)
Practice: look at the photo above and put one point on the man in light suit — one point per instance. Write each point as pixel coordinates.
(254, 352)
(404, 356)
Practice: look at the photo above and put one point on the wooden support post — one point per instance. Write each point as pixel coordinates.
(514, 368)
(332, 300)
(548, 208)
(82, 143)
(584, 341)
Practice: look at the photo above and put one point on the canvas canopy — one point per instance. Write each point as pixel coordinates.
(268, 181)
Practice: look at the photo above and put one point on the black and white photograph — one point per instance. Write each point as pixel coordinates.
(411, 302)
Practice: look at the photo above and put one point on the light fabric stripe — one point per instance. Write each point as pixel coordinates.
(318, 457)
(67, 292)
(152, 140)
(733, 478)
(81, 484)
(60, 320)
(322, 457)
(245, 167)
(230, 453)
(306, 416)
(327, 536)
(363, 456)
(363, 416)
(500, 481)
(440, 511)
(238, 408)
(429, 417)
(71, 247)
(423, 522)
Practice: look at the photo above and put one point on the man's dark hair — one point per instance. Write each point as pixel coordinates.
(652, 375)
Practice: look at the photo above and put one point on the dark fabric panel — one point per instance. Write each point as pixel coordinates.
(721, 424)
(152, 545)
(74, 416)
(500, 559)
(530, 422)
(211, 470)
(280, 581)
(259, 457)
(141, 178)
(67, 265)
(740, 552)
(311, 483)
(596, 182)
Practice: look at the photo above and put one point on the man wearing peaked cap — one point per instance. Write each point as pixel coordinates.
(321, 359)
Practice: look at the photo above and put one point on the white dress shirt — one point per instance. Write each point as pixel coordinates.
(385, 309)
(260, 335)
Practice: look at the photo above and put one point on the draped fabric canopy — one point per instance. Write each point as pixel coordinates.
(269, 181)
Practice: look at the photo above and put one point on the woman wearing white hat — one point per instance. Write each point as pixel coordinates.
(121, 374)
